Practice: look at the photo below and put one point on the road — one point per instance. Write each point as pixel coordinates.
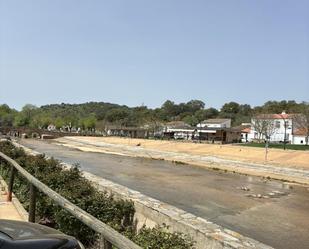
(281, 222)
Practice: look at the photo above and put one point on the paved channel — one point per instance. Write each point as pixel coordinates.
(280, 219)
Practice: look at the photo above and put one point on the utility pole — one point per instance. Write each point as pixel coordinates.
(285, 127)
(266, 149)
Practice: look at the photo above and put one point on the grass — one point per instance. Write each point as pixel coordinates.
(279, 146)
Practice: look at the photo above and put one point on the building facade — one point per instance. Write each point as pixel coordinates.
(277, 128)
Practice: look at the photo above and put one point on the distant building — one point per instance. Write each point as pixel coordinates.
(283, 127)
(178, 130)
(244, 129)
(216, 123)
(217, 130)
(51, 127)
(210, 130)
(300, 136)
(279, 125)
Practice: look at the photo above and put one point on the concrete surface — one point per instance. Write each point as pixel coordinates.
(10, 210)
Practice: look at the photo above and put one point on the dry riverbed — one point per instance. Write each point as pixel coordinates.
(286, 165)
(273, 212)
(288, 158)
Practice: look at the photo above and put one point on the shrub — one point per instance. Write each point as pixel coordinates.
(160, 238)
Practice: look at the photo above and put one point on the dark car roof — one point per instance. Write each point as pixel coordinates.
(23, 230)
(25, 235)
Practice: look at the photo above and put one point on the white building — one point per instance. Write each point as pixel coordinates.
(276, 126)
(215, 123)
(300, 136)
(178, 130)
(51, 127)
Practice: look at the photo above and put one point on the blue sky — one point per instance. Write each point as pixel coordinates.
(144, 52)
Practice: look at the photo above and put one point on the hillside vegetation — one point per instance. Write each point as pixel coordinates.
(97, 115)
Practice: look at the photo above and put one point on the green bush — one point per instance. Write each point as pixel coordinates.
(74, 187)
(159, 238)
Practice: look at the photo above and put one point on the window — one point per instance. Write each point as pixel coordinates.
(277, 124)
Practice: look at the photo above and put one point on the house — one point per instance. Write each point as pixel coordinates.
(178, 130)
(217, 130)
(300, 136)
(244, 130)
(216, 123)
(277, 128)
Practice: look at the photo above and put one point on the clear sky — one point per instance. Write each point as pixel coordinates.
(137, 52)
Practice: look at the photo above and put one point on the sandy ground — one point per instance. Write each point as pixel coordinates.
(287, 158)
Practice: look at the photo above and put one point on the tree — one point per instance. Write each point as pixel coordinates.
(203, 114)
(230, 108)
(118, 116)
(89, 123)
(264, 126)
(194, 105)
(24, 117)
(7, 115)
(191, 120)
(278, 106)
(20, 120)
(169, 110)
(59, 123)
(302, 121)
(29, 110)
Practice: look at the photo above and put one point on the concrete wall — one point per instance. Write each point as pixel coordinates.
(299, 139)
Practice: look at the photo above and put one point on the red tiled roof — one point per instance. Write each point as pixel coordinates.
(275, 116)
(246, 130)
(300, 132)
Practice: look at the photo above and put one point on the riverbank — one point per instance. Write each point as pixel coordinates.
(286, 165)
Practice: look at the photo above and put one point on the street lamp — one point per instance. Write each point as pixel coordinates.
(285, 127)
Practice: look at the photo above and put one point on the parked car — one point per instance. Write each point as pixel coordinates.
(26, 235)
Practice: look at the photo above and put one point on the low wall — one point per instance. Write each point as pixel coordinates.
(151, 212)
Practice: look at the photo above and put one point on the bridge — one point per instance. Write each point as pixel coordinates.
(40, 133)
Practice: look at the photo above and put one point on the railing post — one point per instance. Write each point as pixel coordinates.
(11, 183)
(105, 244)
(32, 203)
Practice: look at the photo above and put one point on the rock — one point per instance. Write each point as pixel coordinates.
(245, 188)
(279, 192)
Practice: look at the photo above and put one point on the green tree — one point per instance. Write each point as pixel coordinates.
(7, 115)
(89, 122)
(191, 120)
(24, 117)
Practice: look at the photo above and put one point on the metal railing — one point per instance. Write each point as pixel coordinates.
(109, 236)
